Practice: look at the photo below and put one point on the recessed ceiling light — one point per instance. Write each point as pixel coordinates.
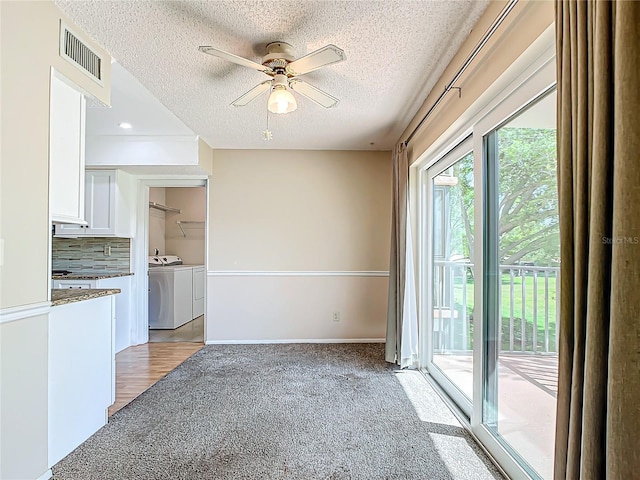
(125, 125)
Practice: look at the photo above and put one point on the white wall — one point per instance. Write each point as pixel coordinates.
(23, 398)
(30, 30)
(193, 203)
(157, 221)
(123, 150)
(29, 48)
(295, 236)
(164, 233)
(272, 307)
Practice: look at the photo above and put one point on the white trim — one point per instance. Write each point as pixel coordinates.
(295, 340)
(12, 314)
(46, 475)
(292, 273)
(454, 154)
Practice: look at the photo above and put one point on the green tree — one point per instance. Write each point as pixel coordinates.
(527, 203)
(528, 196)
(462, 208)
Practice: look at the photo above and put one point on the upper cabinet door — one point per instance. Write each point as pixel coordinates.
(100, 192)
(66, 153)
(108, 205)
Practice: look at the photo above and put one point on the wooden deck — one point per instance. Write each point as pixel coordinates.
(527, 390)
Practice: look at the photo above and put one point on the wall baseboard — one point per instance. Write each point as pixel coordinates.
(295, 340)
(293, 273)
(12, 314)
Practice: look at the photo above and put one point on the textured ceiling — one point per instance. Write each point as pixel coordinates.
(395, 52)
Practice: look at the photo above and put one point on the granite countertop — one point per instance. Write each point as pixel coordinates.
(62, 296)
(90, 276)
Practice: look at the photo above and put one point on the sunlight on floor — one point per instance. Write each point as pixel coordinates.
(422, 396)
(449, 438)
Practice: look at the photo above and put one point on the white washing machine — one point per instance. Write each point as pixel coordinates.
(198, 290)
(176, 292)
(170, 296)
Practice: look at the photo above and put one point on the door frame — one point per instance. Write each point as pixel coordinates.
(532, 74)
(444, 161)
(140, 262)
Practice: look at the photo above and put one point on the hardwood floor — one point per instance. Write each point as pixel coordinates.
(140, 366)
(192, 331)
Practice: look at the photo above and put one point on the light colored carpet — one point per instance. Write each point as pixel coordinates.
(282, 412)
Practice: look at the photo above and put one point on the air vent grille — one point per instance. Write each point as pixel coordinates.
(79, 54)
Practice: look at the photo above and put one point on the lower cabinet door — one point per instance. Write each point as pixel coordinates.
(80, 373)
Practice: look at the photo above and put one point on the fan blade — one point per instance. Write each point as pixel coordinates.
(234, 58)
(315, 94)
(314, 60)
(252, 94)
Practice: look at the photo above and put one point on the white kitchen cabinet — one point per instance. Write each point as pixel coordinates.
(109, 204)
(66, 152)
(123, 302)
(81, 372)
(124, 309)
(198, 292)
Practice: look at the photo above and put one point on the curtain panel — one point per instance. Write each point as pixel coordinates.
(598, 409)
(402, 318)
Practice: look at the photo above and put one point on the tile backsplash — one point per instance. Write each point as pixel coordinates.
(87, 254)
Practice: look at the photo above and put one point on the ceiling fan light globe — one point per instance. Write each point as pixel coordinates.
(281, 101)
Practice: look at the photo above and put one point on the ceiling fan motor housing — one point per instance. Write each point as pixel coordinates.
(279, 54)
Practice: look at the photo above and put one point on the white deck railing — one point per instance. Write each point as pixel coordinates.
(528, 303)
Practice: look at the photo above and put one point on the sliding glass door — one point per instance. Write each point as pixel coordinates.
(520, 272)
(449, 287)
(489, 275)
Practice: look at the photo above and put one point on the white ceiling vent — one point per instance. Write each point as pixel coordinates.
(79, 54)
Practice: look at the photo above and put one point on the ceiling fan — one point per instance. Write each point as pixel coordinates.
(280, 64)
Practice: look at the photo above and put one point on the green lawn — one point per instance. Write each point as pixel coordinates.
(529, 296)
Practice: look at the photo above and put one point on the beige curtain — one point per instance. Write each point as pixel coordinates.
(598, 415)
(402, 317)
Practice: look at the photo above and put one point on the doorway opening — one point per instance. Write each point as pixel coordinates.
(145, 362)
(176, 264)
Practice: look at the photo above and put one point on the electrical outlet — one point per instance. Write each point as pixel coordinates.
(107, 250)
(336, 316)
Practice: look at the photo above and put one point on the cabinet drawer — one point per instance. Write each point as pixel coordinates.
(74, 284)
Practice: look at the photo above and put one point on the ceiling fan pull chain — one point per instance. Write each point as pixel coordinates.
(267, 134)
